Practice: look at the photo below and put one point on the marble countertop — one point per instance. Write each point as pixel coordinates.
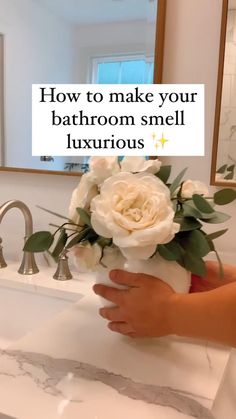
(73, 367)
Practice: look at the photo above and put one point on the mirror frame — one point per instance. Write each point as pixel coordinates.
(158, 67)
(219, 99)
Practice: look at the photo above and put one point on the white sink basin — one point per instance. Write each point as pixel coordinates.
(27, 302)
(23, 311)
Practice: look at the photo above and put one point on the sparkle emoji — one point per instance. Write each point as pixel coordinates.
(154, 137)
(163, 140)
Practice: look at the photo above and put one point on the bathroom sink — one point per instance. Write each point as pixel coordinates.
(22, 311)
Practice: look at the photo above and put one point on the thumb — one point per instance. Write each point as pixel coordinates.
(126, 278)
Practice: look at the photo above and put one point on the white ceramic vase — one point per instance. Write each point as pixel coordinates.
(170, 272)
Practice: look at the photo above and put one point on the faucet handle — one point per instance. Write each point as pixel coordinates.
(63, 271)
(3, 263)
(28, 265)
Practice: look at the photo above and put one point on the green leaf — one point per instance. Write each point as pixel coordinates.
(218, 217)
(229, 176)
(188, 223)
(84, 215)
(213, 249)
(201, 215)
(195, 242)
(222, 169)
(205, 216)
(225, 196)
(190, 211)
(176, 183)
(39, 242)
(194, 264)
(60, 244)
(221, 266)
(78, 238)
(231, 168)
(170, 251)
(216, 234)
(164, 173)
(202, 204)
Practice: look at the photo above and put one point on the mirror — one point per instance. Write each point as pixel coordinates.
(223, 170)
(53, 41)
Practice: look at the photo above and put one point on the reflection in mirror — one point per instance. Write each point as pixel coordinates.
(224, 148)
(53, 41)
(1, 102)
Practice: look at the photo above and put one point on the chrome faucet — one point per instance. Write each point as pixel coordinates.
(28, 265)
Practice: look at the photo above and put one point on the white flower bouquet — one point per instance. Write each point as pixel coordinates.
(130, 210)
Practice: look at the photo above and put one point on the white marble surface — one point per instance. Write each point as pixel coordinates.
(74, 367)
(224, 405)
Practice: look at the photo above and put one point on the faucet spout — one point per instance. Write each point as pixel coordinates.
(28, 265)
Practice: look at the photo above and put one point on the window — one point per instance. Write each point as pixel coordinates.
(123, 70)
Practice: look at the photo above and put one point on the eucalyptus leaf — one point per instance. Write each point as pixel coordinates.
(202, 204)
(194, 264)
(176, 183)
(78, 238)
(84, 215)
(170, 251)
(208, 216)
(164, 173)
(225, 196)
(196, 243)
(221, 266)
(211, 244)
(60, 244)
(39, 242)
(216, 234)
(188, 223)
(202, 215)
(190, 211)
(213, 249)
(219, 217)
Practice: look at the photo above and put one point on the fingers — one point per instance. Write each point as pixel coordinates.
(121, 327)
(112, 294)
(126, 278)
(114, 314)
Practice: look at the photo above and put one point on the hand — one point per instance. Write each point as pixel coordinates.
(212, 279)
(142, 310)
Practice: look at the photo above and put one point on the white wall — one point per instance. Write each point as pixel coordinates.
(191, 55)
(39, 48)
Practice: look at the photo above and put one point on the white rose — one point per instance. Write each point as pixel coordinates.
(112, 257)
(140, 164)
(191, 187)
(87, 256)
(102, 168)
(82, 196)
(134, 210)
